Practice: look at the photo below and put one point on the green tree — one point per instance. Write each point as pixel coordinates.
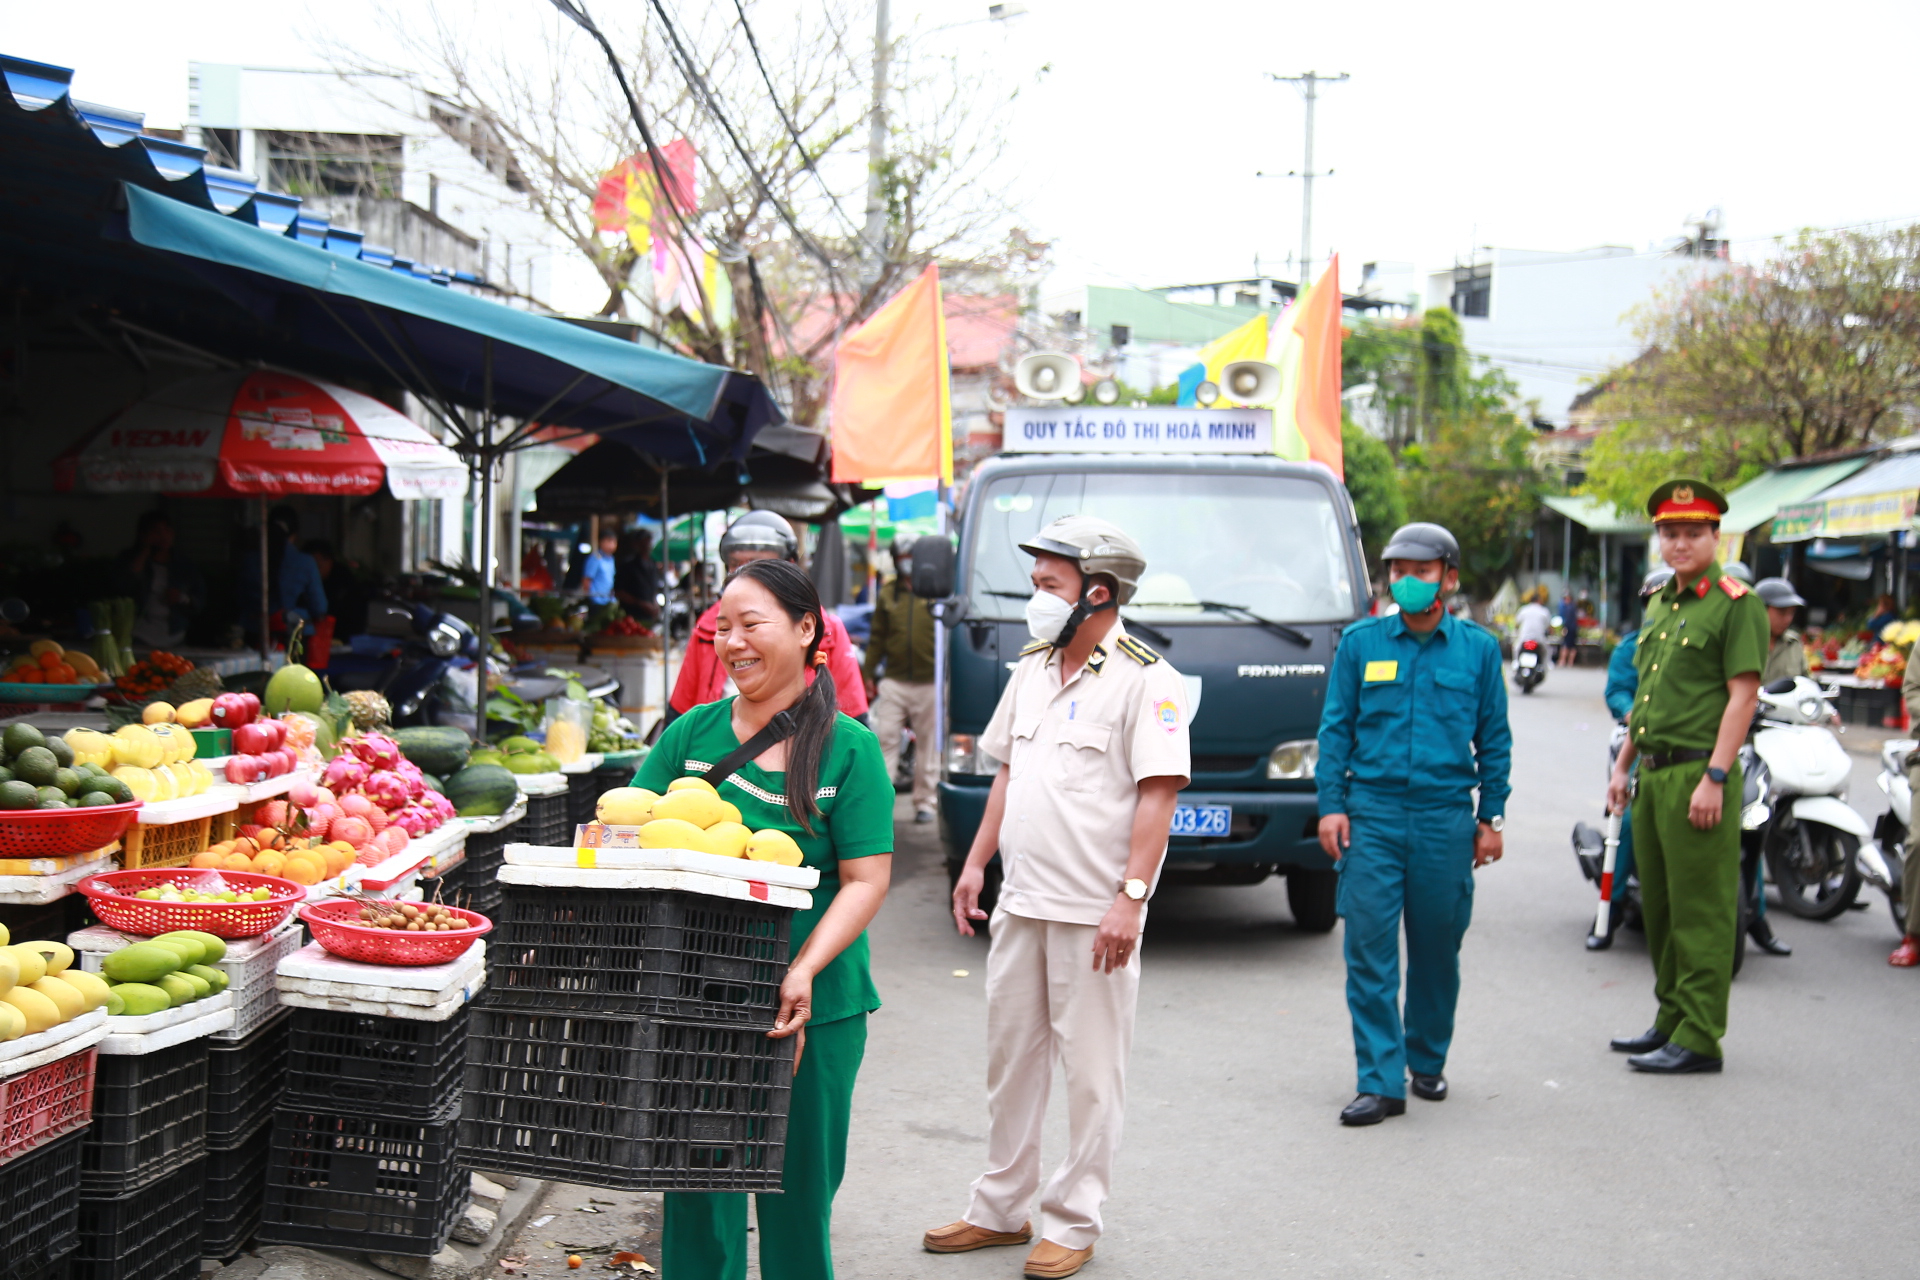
(1421, 373)
(1476, 477)
(1814, 351)
(1374, 483)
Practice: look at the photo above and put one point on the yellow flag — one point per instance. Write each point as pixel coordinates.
(1248, 342)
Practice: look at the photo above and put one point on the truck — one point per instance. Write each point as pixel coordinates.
(1254, 567)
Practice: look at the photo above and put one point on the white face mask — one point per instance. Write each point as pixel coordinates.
(1047, 616)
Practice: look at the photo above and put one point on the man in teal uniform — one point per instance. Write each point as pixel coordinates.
(1415, 720)
(1700, 654)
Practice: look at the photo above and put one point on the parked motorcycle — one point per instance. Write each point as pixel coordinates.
(1529, 666)
(1883, 860)
(1809, 835)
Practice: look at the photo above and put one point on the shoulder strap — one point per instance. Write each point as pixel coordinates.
(778, 729)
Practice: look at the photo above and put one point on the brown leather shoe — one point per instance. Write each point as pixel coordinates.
(1050, 1261)
(964, 1237)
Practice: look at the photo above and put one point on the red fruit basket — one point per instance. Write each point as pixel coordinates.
(110, 896)
(45, 1103)
(57, 833)
(331, 924)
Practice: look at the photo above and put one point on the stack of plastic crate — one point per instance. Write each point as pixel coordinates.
(362, 1147)
(46, 1101)
(245, 1079)
(476, 887)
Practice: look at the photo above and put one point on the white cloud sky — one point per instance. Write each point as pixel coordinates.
(1488, 121)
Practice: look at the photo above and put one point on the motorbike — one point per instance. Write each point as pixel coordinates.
(1798, 817)
(1884, 860)
(1529, 666)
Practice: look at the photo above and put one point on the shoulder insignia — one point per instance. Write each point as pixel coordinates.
(1734, 587)
(1035, 647)
(1097, 659)
(1138, 652)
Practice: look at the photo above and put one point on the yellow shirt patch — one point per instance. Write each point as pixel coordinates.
(1377, 671)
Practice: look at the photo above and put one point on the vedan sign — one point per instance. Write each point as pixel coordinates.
(1846, 517)
(1148, 429)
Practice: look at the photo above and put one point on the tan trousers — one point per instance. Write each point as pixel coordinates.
(902, 705)
(1045, 1004)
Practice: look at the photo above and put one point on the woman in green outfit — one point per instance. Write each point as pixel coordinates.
(826, 786)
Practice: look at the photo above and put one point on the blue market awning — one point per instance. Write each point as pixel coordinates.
(445, 345)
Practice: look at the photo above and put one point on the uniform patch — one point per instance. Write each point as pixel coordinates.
(1035, 647)
(1733, 587)
(1167, 712)
(1376, 672)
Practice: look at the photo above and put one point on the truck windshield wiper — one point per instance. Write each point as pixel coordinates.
(1280, 629)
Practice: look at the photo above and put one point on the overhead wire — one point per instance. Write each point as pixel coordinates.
(793, 131)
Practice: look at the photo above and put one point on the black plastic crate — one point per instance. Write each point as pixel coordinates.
(235, 1195)
(646, 1104)
(244, 1083)
(486, 899)
(149, 1117)
(363, 1182)
(399, 1068)
(546, 823)
(684, 955)
(39, 1206)
(149, 1234)
(446, 887)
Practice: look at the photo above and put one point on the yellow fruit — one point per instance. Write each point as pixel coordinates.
(57, 955)
(701, 808)
(270, 863)
(91, 986)
(82, 664)
(39, 1011)
(183, 779)
(694, 784)
(176, 744)
(202, 776)
(236, 862)
(774, 846)
(90, 746)
(626, 806)
(728, 813)
(566, 741)
(197, 714)
(672, 833)
(5, 936)
(33, 965)
(157, 713)
(139, 781)
(165, 785)
(13, 1024)
(9, 971)
(65, 997)
(39, 647)
(137, 745)
(303, 870)
(727, 839)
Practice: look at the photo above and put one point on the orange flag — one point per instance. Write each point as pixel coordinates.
(892, 413)
(1317, 401)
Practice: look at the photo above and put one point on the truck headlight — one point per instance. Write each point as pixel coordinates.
(1293, 760)
(965, 756)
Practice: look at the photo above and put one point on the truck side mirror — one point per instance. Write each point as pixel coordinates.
(933, 567)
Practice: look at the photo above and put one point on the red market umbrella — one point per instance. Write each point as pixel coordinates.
(261, 433)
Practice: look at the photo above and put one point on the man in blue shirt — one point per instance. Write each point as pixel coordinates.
(600, 570)
(1415, 719)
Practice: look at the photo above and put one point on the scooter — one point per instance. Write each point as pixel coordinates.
(1883, 859)
(1810, 836)
(1529, 666)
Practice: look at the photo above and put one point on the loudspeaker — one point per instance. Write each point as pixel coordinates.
(1106, 391)
(1047, 375)
(1250, 381)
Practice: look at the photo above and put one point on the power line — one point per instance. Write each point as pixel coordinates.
(773, 96)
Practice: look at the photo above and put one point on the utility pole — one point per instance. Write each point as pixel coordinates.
(873, 236)
(1311, 83)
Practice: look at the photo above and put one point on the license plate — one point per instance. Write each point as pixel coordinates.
(1202, 819)
(1528, 659)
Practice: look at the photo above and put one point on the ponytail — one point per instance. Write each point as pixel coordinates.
(817, 711)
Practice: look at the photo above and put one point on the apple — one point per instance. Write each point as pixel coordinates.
(245, 769)
(252, 702)
(230, 711)
(304, 794)
(289, 761)
(276, 731)
(252, 740)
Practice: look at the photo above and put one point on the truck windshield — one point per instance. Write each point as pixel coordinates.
(1269, 544)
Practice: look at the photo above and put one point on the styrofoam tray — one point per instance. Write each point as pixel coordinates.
(541, 784)
(385, 1009)
(534, 855)
(221, 797)
(33, 891)
(137, 1045)
(80, 1043)
(500, 821)
(54, 866)
(55, 1039)
(315, 963)
(585, 764)
(684, 881)
(125, 1024)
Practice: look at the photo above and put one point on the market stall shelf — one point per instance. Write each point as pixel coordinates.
(314, 978)
(35, 891)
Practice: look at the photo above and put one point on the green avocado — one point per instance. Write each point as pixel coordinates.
(35, 764)
(18, 795)
(61, 752)
(19, 737)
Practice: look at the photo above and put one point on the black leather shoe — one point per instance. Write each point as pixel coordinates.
(1671, 1059)
(1646, 1042)
(1599, 941)
(1432, 1088)
(1371, 1108)
(1763, 936)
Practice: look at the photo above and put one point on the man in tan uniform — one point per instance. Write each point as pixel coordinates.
(1093, 727)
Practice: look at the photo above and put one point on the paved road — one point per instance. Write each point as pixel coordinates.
(1549, 1160)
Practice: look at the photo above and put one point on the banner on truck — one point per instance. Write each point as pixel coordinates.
(1146, 429)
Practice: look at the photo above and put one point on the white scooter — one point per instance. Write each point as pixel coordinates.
(1883, 860)
(1797, 812)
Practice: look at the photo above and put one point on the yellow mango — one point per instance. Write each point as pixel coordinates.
(691, 784)
(65, 997)
(13, 1024)
(626, 806)
(727, 839)
(91, 986)
(33, 965)
(701, 808)
(729, 813)
(672, 833)
(39, 1011)
(773, 846)
(9, 971)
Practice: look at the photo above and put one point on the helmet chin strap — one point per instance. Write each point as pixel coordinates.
(1081, 612)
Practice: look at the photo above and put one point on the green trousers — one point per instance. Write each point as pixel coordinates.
(1690, 900)
(706, 1232)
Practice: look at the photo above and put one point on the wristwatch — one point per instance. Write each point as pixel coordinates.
(1717, 775)
(1497, 823)
(1135, 889)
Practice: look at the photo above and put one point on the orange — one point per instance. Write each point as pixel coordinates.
(338, 859)
(236, 862)
(269, 863)
(303, 870)
(50, 659)
(207, 861)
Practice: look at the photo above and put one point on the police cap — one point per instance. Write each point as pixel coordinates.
(1686, 500)
(1423, 541)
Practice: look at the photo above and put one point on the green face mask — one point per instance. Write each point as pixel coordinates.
(1414, 595)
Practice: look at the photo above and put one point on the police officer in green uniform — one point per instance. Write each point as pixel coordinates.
(1701, 650)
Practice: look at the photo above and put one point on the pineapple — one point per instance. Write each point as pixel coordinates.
(369, 709)
(195, 684)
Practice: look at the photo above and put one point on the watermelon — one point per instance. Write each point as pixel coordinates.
(481, 791)
(437, 749)
(432, 783)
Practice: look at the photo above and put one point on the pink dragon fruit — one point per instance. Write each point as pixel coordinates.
(345, 773)
(376, 751)
(410, 773)
(415, 820)
(388, 790)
